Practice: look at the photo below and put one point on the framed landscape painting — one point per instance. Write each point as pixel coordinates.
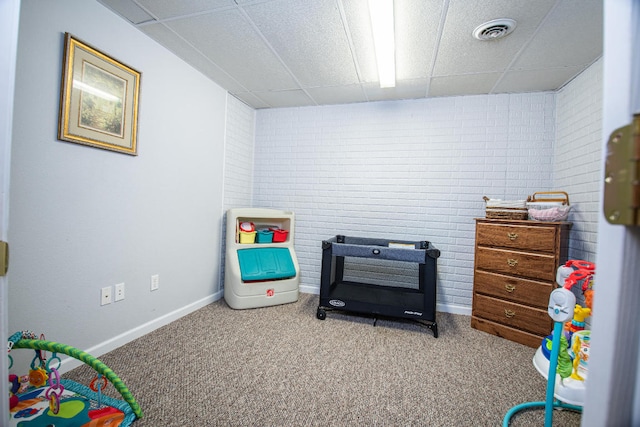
(98, 99)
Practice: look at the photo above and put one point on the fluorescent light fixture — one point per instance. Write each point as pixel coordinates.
(381, 12)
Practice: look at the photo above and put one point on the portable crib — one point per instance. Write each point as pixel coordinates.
(261, 267)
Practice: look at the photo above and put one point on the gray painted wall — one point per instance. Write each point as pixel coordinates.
(84, 218)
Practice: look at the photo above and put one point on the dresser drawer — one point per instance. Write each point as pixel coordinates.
(534, 320)
(523, 291)
(507, 332)
(532, 238)
(536, 266)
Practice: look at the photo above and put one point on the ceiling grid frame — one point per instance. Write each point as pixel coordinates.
(527, 43)
(255, 71)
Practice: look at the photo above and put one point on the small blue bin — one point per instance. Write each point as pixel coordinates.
(264, 236)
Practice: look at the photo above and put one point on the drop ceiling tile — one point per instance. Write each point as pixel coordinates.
(234, 46)
(285, 98)
(536, 80)
(337, 94)
(460, 53)
(169, 8)
(191, 56)
(166, 37)
(417, 25)
(406, 89)
(309, 37)
(127, 9)
(465, 16)
(321, 51)
(359, 25)
(250, 99)
(570, 36)
(469, 84)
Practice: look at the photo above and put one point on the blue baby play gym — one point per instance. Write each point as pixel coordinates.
(43, 399)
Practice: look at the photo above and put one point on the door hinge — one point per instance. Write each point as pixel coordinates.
(4, 258)
(622, 175)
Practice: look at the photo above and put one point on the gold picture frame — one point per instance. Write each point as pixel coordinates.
(98, 99)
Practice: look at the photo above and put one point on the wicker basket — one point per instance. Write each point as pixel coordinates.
(505, 209)
(548, 206)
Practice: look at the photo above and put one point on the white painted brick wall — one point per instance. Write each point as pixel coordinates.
(578, 152)
(238, 165)
(415, 170)
(412, 170)
(578, 155)
(238, 169)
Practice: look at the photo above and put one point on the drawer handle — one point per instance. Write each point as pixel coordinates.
(510, 288)
(509, 313)
(512, 236)
(512, 262)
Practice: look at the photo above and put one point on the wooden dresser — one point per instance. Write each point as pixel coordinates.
(515, 271)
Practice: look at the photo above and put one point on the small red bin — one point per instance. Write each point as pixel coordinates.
(279, 236)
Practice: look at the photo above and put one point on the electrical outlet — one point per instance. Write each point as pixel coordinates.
(105, 295)
(155, 282)
(119, 292)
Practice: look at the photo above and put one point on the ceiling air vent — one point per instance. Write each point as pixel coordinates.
(495, 29)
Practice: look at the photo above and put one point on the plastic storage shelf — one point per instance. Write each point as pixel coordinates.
(270, 273)
(374, 299)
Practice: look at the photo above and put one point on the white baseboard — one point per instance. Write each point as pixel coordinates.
(126, 337)
(454, 309)
(310, 290)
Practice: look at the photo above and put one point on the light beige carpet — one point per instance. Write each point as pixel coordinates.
(280, 366)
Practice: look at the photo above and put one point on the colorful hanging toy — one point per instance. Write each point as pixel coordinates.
(54, 392)
(15, 386)
(570, 275)
(43, 385)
